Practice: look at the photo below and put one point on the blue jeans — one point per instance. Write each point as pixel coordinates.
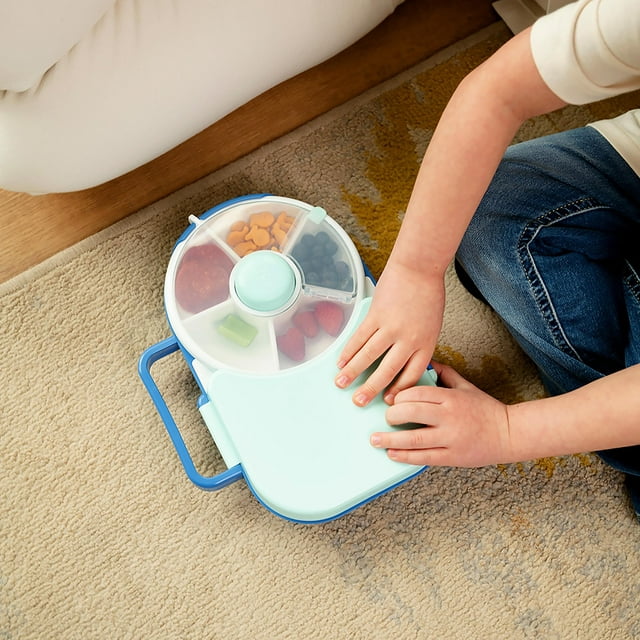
(554, 248)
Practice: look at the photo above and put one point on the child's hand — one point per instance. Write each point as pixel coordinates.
(403, 323)
(465, 426)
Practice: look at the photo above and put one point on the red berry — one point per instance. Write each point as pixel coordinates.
(202, 279)
(306, 322)
(291, 344)
(330, 317)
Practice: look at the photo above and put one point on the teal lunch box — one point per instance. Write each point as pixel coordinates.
(261, 294)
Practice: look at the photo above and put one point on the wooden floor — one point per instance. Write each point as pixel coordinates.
(33, 228)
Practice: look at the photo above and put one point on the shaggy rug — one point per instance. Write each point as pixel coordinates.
(102, 535)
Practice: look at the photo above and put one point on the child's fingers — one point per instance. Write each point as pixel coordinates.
(360, 337)
(418, 394)
(449, 377)
(407, 439)
(385, 371)
(364, 357)
(421, 457)
(410, 374)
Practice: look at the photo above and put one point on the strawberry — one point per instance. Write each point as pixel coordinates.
(202, 280)
(291, 344)
(330, 317)
(306, 322)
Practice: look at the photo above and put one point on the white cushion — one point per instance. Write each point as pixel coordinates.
(151, 73)
(35, 34)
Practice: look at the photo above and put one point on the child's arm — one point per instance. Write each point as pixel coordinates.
(469, 428)
(476, 127)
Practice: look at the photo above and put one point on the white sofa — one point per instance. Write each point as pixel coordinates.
(91, 89)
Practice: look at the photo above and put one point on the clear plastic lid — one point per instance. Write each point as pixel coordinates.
(262, 284)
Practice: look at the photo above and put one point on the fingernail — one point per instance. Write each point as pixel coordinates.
(342, 381)
(341, 363)
(375, 440)
(392, 454)
(361, 399)
(389, 398)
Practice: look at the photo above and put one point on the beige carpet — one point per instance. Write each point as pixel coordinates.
(103, 536)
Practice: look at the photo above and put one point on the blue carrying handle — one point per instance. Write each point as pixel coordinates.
(147, 359)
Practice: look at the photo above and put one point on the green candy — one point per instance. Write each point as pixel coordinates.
(236, 329)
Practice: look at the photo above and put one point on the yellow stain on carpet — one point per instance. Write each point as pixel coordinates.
(547, 466)
(407, 113)
(492, 376)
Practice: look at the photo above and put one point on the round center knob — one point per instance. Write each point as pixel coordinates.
(264, 281)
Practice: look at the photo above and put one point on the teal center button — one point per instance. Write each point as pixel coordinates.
(264, 281)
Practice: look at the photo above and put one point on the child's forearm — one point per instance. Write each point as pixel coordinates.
(476, 127)
(458, 165)
(604, 414)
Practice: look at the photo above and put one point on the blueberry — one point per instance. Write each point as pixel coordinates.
(330, 281)
(347, 285)
(317, 263)
(331, 247)
(307, 241)
(312, 277)
(317, 251)
(322, 237)
(297, 253)
(342, 269)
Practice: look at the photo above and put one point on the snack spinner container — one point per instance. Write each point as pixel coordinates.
(261, 294)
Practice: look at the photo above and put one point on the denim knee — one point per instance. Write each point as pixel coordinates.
(551, 249)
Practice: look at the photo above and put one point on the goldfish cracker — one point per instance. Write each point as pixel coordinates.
(261, 237)
(279, 234)
(262, 231)
(264, 219)
(284, 221)
(236, 237)
(245, 248)
(239, 225)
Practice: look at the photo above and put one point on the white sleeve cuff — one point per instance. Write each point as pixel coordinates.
(582, 49)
